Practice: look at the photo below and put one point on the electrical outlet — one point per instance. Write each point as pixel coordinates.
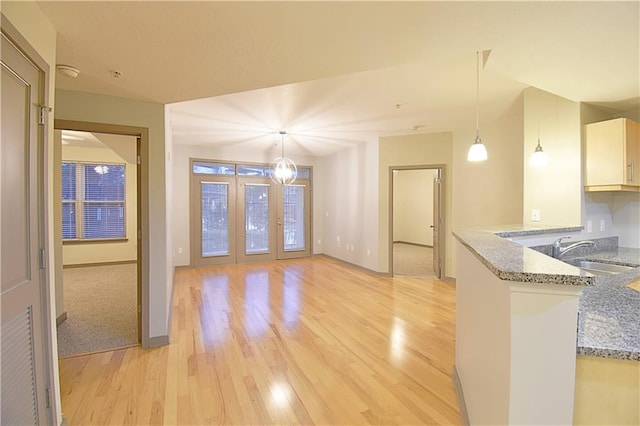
(368, 252)
(601, 225)
(589, 226)
(179, 250)
(535, 215)
(319, 241)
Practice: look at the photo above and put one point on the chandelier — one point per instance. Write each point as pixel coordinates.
(283, 170)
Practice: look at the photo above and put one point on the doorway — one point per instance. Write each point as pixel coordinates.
(103, 240)
(239, 215)
(416, 218)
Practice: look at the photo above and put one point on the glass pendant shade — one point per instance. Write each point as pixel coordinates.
(477, 151)
(539, 157)
(283, 170)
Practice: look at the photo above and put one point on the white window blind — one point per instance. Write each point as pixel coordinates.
(93, 201)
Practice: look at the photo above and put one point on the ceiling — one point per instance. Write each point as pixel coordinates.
(335, 74)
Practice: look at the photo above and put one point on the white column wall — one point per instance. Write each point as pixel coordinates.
(515, 346)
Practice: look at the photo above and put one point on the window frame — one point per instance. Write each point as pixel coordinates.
(80, 202)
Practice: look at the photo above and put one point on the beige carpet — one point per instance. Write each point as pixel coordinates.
(411, 260)
(100, 302)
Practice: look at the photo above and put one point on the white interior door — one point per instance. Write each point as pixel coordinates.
(24, 379)
(437, 225)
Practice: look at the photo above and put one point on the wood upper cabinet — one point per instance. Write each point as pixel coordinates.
(612, 156)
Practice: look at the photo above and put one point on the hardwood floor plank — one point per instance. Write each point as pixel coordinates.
(306, 341)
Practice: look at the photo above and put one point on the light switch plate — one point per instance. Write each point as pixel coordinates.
(535, 215)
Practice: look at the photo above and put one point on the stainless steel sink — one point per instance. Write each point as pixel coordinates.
(599, 268)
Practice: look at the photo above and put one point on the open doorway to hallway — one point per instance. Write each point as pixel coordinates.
(99, 204)
(416, 221)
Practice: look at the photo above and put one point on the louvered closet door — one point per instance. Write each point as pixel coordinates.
(23, 376)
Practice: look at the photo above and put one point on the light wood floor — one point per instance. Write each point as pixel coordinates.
(311, 341)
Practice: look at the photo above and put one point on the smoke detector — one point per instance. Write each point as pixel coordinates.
(68, 70)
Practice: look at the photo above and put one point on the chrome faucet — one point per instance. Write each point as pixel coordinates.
(558, 251)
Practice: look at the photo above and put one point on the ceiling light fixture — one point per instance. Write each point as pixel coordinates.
(68, 70)
(101, 169)
(283, 170)
(477, 151)
(538, 157)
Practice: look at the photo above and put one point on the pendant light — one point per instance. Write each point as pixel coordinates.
(283, 171)
(539, 157)
(477, 151)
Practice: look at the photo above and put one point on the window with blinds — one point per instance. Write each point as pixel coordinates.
(93, 201)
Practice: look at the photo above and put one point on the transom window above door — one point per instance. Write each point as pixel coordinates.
(248, 170)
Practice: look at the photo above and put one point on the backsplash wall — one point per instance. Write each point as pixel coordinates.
(626, 218)
(620, 212)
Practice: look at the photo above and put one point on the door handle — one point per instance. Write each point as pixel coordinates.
(431, 226)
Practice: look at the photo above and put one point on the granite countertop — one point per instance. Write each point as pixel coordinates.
(609, 311)
(511, 261)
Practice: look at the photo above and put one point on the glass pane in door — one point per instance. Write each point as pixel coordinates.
(215, 219)
(256, 218)
(293, 217)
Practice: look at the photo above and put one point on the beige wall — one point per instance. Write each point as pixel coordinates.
(180, 181)
(81, 253)
(490, 192)
(36, 29)
(413, 206)
(554, 189)
(87, 107)
(415, 150)
(348, 205)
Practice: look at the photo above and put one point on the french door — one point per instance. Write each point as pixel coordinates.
(213, 220)
(237, 218)
(256, 233)
(294, 205)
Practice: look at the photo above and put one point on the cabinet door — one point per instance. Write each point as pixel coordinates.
(632, 153)
(605, 153)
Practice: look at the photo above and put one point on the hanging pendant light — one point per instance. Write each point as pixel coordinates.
(477, 151)
(283, 171)
(539, 157)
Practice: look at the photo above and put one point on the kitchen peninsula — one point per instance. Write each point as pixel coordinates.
(523, 317)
